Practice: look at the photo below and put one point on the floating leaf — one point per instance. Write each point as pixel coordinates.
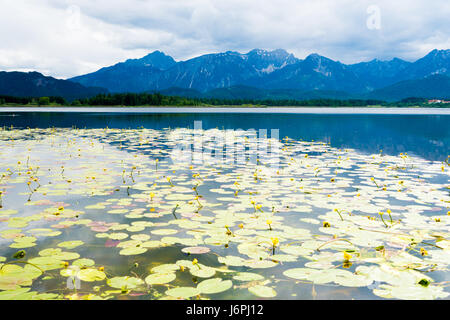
(263, 291)
(70, 244)
(91, 275)
(183, 292)
(166, 268)
(196, 250)
(248, 276)
(124, 282)
(212, 286)
(132, 251)
(202, 271)
(160, 278)
(83, 263)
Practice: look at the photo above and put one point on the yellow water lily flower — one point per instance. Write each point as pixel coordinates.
(347, 256)
(275, 241)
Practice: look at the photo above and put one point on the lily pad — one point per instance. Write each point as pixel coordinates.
(183, 292)
(263, 291)
(160, 278)
(213, 286)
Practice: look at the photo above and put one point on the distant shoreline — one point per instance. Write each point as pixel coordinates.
(236, 109)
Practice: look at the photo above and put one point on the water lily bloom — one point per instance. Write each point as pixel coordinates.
(275, 241)
(423, 252)
(347, 256)
(194, 262)
(326, 224)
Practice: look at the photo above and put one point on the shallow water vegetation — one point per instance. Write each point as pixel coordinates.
(98, 214)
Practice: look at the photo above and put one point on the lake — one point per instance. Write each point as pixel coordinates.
(276, 203)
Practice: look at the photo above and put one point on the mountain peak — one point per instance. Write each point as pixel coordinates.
(445, 54)
(278, 52)
(314, 56)
(317, 58)
(156, 59)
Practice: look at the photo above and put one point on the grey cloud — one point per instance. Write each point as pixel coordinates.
(114, 30)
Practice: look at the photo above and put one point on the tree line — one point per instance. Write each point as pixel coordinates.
(157, 99)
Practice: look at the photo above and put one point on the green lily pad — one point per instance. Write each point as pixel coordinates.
(71, 244)
(213, 286)
(132, 251)
(59, 254)
(160, 278)
(125, 282)
(263, 291)
(300, 273)
(248, 276)
(183, 292)
(166, 268)
(83, 263)
(203, 271)
(90, 275)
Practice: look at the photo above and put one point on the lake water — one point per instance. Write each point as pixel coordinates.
(166, 204)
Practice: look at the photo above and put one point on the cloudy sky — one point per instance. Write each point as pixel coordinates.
(64, 38)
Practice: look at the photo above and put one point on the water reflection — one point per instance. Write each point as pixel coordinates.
(427, 136)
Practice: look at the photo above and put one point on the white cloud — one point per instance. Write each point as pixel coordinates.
(56, 38)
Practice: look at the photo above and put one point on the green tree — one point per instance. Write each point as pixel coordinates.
(44, 101)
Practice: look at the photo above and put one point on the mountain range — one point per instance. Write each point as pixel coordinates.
(34, 84)
(262, 74)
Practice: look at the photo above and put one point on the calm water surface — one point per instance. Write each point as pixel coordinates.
(82, 170)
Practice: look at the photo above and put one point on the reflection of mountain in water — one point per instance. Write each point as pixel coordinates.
(423, 135)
